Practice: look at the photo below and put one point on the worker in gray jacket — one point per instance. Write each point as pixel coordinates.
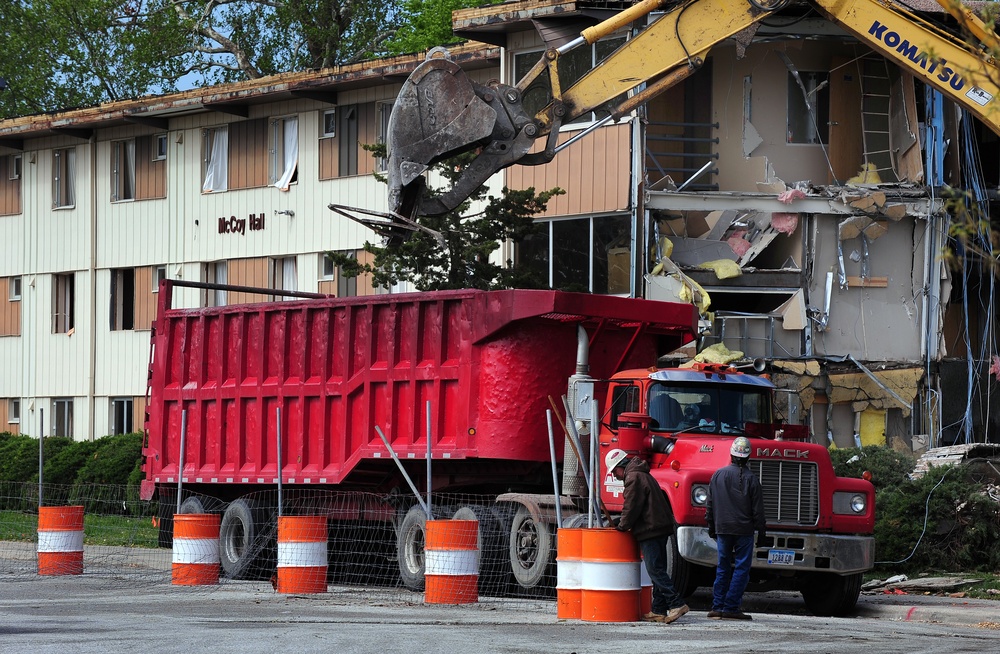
(646, 514)
(735, 510)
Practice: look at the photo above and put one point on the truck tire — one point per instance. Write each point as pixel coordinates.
(492, 544)
(828, 594)
(410, 548)
(196, 504)
(682, 573)
(237, 535)
(531, 548)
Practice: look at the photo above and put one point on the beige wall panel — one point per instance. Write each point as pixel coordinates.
(113, 348)
(62, 236)
(10, 312)
(150, 174)
(769, 113)
(873, 323)
(139, 412)
(248, 272)
(12, 353)
(59, 361)
(596, 187)
(327, 286)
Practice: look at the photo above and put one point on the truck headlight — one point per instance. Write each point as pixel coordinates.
(699, 495)
(845, 503)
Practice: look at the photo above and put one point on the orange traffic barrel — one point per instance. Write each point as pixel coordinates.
(196, 549)
(302, 557)
(610, 576)
(569, 553)
(646, 590)
(60, 540)
(451, 562)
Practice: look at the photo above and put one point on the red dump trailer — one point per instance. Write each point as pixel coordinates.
(334, 369)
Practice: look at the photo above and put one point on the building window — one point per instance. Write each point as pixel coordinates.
(383, 110)
(123, 170)
(160, 151)
(346, 286)
(805, 125)
(327, 269)
(580, 254)
(63, 301)
(159, 274)
(14, 167)
(121, 415)
(122, 299)
(62, 421)
(14, 289)
(63, 176)
(284, 276)
(215, 159)
(283, 152)
(328, 123)
(572, 66)
(216, 272)
(348, 141)
(13, 411)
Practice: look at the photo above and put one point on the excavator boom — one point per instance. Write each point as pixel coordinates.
(440, 112)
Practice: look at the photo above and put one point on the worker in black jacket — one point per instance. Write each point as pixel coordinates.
(647, 515)
(735, 510)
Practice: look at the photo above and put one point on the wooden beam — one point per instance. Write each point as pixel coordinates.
(13, 144)
(148, 121)
(232, 108)
(867, 282)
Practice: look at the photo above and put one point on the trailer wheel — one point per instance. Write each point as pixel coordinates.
(410, 548)
(237, 533)
(196, 504)
(492, 545)
(530, 548)
(829, 594)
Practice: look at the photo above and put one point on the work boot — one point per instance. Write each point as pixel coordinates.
(673, 614)
(653, 617)
(736, 615)
(714, 615)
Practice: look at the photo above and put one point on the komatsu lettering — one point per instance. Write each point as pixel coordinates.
(946, 74)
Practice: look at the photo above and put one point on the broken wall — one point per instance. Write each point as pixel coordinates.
(751, 106)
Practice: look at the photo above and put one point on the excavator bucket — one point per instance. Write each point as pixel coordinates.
(437, 114)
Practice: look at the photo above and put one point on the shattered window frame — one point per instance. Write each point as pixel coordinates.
(801, 128)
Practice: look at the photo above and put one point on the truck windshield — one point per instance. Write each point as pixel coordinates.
(707, 409)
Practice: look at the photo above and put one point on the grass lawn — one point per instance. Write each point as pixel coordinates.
(97, 529)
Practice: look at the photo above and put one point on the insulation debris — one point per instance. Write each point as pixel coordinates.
(718, 353)
(786, 223)
(724, 268)
(867, 175)
(864, 393)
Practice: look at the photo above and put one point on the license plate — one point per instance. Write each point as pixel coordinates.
(780, 557)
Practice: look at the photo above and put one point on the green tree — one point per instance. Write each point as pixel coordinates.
(424, 24)
(73, 53)
(456, 250)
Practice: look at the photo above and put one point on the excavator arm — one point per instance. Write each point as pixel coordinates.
(440, 112)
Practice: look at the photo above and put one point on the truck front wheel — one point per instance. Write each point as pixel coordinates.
(410, 548)
(682, 573)
(831, 594)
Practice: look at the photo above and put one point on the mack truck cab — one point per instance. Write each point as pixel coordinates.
(682, 422)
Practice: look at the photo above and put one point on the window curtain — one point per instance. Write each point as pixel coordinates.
(289, 279)
(217, 170)
(69, 181)
(128, 188)
(291, 151)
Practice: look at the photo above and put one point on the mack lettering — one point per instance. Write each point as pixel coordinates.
(775, 453)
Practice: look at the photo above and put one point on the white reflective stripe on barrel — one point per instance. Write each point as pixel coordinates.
(196, 550)
(60, 541)
(451, 562)
(301, 555)
(569, 574)
(611, 575)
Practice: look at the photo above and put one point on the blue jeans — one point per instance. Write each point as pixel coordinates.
(733, 572)
(654, 553)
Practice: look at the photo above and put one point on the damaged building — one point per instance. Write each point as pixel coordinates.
(794, 185)
(790, 181)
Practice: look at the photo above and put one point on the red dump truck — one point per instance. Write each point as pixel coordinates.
(320, 374)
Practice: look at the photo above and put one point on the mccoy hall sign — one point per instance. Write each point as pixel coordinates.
(234, 225)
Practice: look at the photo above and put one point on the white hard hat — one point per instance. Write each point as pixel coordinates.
(613, 458)
(740, 448)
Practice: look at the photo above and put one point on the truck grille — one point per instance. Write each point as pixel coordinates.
(791, 491)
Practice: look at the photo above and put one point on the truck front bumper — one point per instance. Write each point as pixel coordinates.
(842, 555)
